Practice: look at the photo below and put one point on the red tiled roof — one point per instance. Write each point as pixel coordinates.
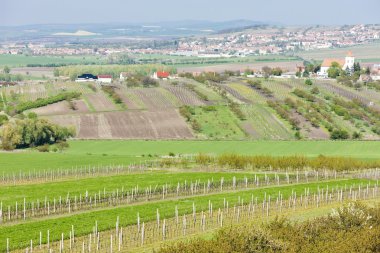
(104, 76)
(328, 62)
(163, 74)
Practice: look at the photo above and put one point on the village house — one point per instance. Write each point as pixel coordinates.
(375, 73)
(104, 78)
(161, 75)
(347, 63)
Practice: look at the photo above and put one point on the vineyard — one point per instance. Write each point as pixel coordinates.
(134, 208)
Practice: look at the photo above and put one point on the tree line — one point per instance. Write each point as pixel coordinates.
(235, 161)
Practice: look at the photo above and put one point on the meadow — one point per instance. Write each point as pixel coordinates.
(122, 152)
(356, 149)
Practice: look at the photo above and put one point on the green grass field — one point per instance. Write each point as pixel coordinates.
(35, 161)
(23, 60)
(218, 124)
(357, 149)
(21, 234)
(97, 152)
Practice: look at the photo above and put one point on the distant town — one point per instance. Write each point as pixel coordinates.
(257, 40)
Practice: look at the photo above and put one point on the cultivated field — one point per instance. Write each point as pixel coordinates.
(166, 124)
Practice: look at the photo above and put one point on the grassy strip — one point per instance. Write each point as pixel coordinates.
(21, 234)
(30, 161)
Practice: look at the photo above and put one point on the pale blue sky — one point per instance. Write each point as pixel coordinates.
(18, 12)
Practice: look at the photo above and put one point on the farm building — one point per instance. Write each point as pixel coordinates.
(86, 78)
(347, 63)
(161, 75)
(104, 78)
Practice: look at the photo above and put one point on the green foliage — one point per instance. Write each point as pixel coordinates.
(235, 161)
(256, 84)
(195, 125)
(3, 119)
(277, 71)
(235, 108)
(148, 82)
(209, 108)
(339, 134)
(243, 238)
(206, 77)
(92, 87)
(284, 113)
(309, 82)
(114, 70)
(315, 90)
(350, 228)
(6, 70)
(32, 115)
(31, 132)
(43, 148)
(305, 95)
(199, 94)
(112, 93)
(186, 112)
(334, 72)
(44, 101)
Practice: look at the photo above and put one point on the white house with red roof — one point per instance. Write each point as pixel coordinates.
(104, 78)
(346, 63)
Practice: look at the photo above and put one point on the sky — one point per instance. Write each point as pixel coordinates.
(289, 12)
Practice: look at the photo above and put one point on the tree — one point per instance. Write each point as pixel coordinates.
(333, 72)
(56, 72)
(276, 71)
(7, 70)
(339, 135)
(357, 67)
(267, 71)
(30, 132)
(308, 82)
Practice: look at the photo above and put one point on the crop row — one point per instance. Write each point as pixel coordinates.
(101, 199)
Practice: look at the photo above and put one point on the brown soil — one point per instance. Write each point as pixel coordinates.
(101, 102)
(164, 124)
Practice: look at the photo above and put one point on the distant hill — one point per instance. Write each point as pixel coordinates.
(110, 30)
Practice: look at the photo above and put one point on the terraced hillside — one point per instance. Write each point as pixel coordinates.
(233, 108)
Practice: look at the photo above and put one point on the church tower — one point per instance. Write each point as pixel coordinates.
(349, 61)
